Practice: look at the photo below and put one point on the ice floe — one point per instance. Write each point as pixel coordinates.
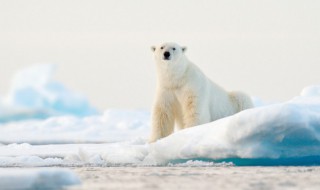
(280, 134)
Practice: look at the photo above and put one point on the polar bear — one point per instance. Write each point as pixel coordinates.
(185, 97)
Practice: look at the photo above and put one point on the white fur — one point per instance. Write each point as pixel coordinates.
(186, 97)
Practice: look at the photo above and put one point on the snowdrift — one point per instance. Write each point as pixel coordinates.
(287, 133)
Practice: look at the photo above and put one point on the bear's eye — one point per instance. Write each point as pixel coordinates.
(161, 47)
(173, 49)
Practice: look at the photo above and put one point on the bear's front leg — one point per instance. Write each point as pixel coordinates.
(162, 116)
(190, 109)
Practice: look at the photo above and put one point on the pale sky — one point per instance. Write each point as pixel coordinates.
(267, 48)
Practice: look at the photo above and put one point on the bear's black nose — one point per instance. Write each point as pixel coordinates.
(166, 54)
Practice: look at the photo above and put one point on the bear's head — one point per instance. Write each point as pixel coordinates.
(168, 52)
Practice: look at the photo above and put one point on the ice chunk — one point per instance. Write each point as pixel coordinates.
(44, 178)
(34, 94)
(313, 90)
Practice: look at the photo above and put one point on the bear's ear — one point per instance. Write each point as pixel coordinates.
(184, 49)
(153, 48)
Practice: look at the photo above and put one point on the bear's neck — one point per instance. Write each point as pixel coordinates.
(173, 76)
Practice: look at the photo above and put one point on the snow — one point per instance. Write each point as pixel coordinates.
(200, 178)
(111, 126)
(35, 94)
(44, 178)
(199, 163)
(278, 134)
